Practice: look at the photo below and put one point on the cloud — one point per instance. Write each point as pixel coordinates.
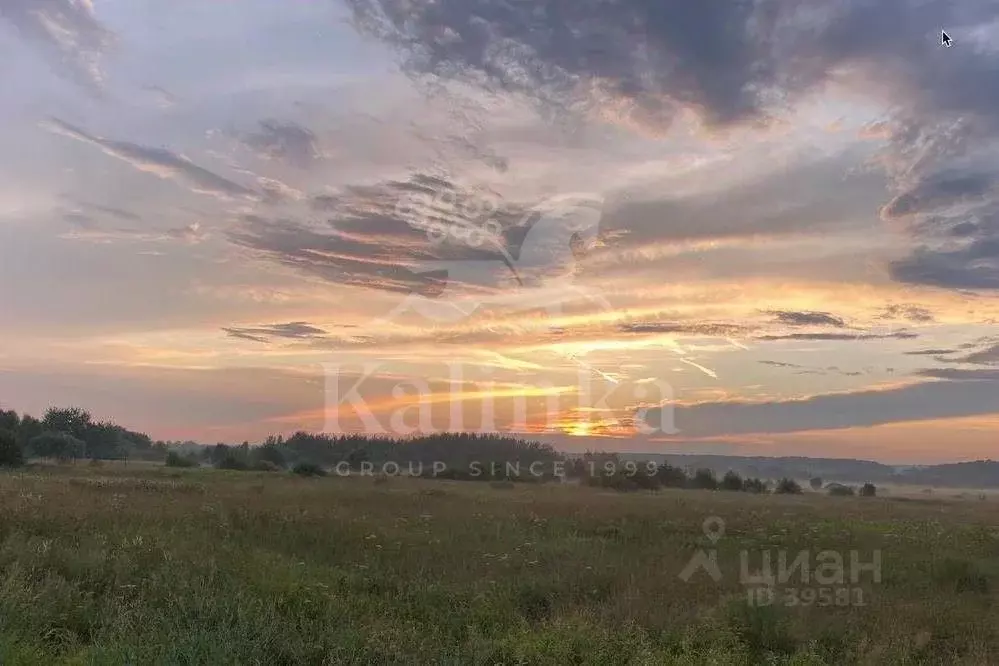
(158, 161)
(68, 30)
(422, 235)
(931, 352)
(285, 141)
(791, 318)
(89, 230)
(780, 364)
(911, 313)
(900, 335)
(644, 63)
(987, 356)
(937, 191)
(974, 266)
(687, 328)
(958, 394)
(296, 330)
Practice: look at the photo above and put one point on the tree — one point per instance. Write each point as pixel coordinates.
(30, 427)
(670, 476)
(704, 479)
(755, 485)
(9, 420)
(308, 469)
(731, 481)
(815, 483)
(74, 420)
(271, 453)
(839, 490)
(59, 445)
(175, 459)
(787, 486)
(11, 454)
(868, 490)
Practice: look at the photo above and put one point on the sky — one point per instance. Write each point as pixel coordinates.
(750, 228)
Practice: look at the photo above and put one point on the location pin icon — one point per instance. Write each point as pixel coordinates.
(714, 529)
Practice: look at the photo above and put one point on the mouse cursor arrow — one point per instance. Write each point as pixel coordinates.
(945, 39)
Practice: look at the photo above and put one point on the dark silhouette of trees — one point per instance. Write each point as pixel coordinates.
(732, 481)
(868, 490)
(788, 486)
(815, 483)
(61, 446)
(11, 454)
(704, 479)
(671, 477)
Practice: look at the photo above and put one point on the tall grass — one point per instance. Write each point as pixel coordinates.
(147, 565)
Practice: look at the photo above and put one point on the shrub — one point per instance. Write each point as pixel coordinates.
(231, 461)
(704, 479)
(868, 490)
(671, 477)
(839, 490)
(308, 469)
(11, 454)
(755, 485)
(59, 445)
(731, 481)
(620, 482)
(175, 459)
(815, 483)
(273, 454)
(265, 466)
(788, 486)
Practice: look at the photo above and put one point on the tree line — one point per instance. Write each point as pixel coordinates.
(67, 434)
(71, 433)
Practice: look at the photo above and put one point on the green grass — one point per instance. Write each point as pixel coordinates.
(146, 565)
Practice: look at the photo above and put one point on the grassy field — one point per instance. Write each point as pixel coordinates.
(114, 565)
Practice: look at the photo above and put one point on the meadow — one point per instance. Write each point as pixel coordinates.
(117, 564)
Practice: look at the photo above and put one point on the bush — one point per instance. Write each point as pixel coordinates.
(704, 479)
(620, 482)
(11, 454)
(731, 481)
(273, 454)
(868, 490)
(755, 485)
(815, 483)
(308, 469)
(174, 459)
(59, 445)
(671, 477)
(231, 461)
(788, 486)
(839, 490)
(265, 466)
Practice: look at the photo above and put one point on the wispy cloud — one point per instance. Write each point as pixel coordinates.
(158, 161)
(69, 31)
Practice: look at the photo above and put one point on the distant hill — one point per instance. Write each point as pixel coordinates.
(978, 474)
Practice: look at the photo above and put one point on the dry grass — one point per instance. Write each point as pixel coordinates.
(118, 565)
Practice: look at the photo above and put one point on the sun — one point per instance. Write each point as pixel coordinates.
(578, 430)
